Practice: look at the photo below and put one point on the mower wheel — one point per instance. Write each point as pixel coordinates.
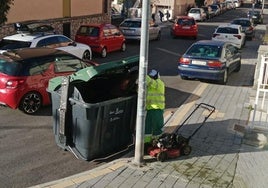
(161, 156)
(186, 150)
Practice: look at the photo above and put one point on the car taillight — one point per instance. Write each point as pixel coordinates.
(214, 64)
(237, 36)
(12, 84)
(184, 61)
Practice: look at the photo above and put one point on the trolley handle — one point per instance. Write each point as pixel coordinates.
(207, 107)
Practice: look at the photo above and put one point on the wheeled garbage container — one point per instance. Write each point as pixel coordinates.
(94, 110)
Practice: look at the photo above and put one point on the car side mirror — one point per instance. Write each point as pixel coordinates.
(72, 44)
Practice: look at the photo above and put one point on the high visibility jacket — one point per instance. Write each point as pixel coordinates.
(155, 98)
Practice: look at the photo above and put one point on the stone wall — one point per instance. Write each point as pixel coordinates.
(74, 23)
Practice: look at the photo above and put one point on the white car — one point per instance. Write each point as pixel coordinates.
(198, 14)
(131, 29)
(26, 39)
(231, 33)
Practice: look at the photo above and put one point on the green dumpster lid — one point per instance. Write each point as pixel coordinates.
(87, 73)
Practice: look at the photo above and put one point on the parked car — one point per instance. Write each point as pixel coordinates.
(230, 33)
(131, 28)
(208, 11)
(247, 26)
(102, 38)
(256, 16)
(25, 73)
(31, 38)
(198, 14)
(215, 9)
(184, 26)
(210, 60)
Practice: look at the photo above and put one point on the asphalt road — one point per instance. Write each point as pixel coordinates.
(29, 154)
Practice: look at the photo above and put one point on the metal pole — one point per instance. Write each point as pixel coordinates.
(140, 119)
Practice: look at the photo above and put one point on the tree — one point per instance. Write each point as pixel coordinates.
(4, 8)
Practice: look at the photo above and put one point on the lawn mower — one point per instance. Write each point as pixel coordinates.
(173, 145)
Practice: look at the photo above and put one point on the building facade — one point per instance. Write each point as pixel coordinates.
(64, 15)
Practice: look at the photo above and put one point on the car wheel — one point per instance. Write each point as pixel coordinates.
(123, 47)
(184, 78)
(87, 55)
(31, 103)
(103, 52)
(237, 69)
(225, 77)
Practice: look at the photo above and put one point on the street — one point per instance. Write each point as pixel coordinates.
(29, 154)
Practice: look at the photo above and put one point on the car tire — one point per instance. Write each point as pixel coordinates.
(123, 47)
(237, 69)
(104, 52)
(31, 103)
(87, 55)
(184, 78)
(225, 77)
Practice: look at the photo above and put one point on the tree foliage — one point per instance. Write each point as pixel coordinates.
(4, 8)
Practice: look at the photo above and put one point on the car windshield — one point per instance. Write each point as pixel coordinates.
(256, 13)
(194, 11)
(89, 31)
(241, 22)
(204, 51)
(136, 24)
(12, 44)
(227, 30)
(186, 22)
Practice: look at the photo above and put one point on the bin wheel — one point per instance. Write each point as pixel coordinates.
(161, 156)
(186, 150)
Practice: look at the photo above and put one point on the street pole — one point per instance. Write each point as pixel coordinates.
(143, 65)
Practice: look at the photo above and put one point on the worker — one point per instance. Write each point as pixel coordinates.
(155, 105)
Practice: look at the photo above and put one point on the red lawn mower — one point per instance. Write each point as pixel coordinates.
(172, 145)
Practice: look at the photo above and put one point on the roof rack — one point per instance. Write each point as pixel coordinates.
(34, 28)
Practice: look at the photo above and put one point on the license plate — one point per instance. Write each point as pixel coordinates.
(129, 31)
(186, 27)
(195, 62)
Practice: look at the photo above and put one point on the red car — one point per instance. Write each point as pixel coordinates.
(102, 38)
(184, 26)
(25, 73)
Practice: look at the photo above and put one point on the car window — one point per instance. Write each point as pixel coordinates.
(134, 24)
(38, 66)
(68, 64)
(11, 68)
(227, 30)
(48, 42)
(242, 22)
(194, 11)
(89, 31)
(186, 22)
(204, 51)
(12, 44)
(107, 31)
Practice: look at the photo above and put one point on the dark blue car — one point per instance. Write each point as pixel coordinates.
(210, 60)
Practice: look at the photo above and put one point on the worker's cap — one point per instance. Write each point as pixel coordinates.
(154, 74)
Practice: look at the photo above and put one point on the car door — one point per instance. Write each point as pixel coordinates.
(233, 57)
(117, 39)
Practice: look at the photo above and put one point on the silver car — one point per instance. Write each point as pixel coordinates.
(131, 29)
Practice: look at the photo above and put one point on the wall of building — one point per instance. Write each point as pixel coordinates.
(34, 10)
(53, 12)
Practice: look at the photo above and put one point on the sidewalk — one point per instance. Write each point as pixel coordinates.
(220, 157)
